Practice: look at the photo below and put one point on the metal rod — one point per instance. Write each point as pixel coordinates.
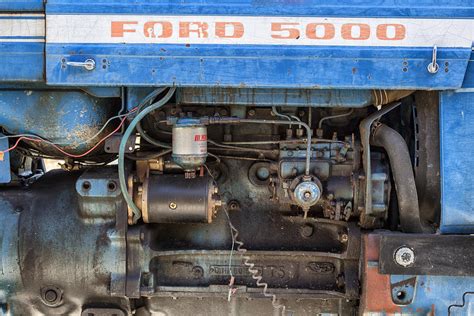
(276, 122)
(320, 125)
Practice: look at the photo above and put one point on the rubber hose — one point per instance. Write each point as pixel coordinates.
(123, 143)
(402, 170)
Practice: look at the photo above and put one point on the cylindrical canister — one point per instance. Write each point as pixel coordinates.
(189, 143)
(175, 199)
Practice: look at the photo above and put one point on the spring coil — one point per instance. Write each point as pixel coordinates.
(254, 272)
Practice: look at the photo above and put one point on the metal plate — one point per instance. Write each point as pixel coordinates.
(457, 162)
(434, 255)
(5, 174)
(22, 38)
(256, 61)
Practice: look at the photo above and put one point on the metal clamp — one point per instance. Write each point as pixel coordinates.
(88, 65)
(433, 67)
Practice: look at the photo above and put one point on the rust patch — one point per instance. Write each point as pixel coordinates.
(376, 293)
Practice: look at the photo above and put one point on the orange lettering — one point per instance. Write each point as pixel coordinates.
(119, 30)
(349, 29)
(291, 32)
(150, 29)
(398, 32)
(327, 28)
(200, 28)
(237, 28)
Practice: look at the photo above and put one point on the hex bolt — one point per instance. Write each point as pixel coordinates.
(404, 256)
(173, 206)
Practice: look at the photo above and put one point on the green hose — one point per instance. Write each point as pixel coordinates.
(121, 155)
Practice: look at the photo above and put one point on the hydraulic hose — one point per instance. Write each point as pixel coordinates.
(400, 162)
(121, 155)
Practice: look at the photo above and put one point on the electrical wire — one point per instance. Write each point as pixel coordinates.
(255, 273)
(121, 154)
(150, 139)
(34, 138)
(148, 99)
(100, 131)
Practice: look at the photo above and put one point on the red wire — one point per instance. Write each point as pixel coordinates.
(61, 150)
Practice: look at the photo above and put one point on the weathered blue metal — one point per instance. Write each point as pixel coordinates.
(22, 38)
(253, 66)
(457, 162)
(5, 174)
(237, 64)
(68, 118)
(385, 8)
(469, 79)
(23, 5)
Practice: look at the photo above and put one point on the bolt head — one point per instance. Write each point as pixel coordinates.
(173, 206)
(344, 238)
(404, 256)
(307, 230)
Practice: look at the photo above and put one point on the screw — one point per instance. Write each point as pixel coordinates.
(404, 256)
(251, 112)
(173, 205)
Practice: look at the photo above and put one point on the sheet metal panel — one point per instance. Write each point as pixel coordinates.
(469, 79)
(135, 43)
(384, 294)
(383, 8)
(5, 174)
(22, 5)
(22, 45)
(457, 162)
(302, 67)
